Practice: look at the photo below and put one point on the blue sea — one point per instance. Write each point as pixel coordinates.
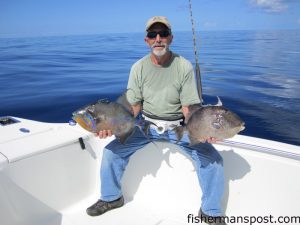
(255, 73)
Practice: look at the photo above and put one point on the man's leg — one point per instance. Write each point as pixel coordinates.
(114, 161)
(210, 171)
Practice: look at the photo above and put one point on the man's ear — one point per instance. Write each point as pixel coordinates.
(146, 40)
(171, 38)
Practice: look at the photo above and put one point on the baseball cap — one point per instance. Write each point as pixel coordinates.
(158, 19)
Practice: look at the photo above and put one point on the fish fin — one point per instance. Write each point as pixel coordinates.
(219, 102)
(123, 101)
(124, 137)
(146, 127)
(179, 133)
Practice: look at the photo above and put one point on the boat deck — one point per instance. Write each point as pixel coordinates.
(51, 180)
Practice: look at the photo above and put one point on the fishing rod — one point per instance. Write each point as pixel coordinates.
(198, 75)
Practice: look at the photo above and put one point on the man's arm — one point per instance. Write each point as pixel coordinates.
(136, 109)
(185, 111)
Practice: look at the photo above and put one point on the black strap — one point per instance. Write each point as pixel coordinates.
(173, 118)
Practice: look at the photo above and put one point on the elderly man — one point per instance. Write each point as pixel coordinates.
(161, 85)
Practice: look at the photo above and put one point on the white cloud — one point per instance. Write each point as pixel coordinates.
(271, 6)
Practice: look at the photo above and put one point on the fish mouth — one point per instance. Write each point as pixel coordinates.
(82, 123)
(86, 121)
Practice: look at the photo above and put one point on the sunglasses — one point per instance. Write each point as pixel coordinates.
(162, 34)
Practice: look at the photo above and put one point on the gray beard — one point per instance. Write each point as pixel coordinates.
(159, 53)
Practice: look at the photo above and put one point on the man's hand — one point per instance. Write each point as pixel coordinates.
(136, 109)
(104, 134)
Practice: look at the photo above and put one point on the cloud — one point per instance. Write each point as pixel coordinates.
(271, 6)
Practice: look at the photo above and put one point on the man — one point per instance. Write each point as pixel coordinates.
(162, 86)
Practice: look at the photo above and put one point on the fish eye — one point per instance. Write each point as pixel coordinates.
(80, 112)
(105, 100)
(91, 110)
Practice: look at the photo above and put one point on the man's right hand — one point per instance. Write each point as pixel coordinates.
(104, 134)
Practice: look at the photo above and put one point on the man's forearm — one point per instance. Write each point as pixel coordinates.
(185, 111)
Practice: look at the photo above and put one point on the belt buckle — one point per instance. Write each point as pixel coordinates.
(160, 128)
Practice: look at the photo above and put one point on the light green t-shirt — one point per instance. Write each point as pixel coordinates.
(162, 90)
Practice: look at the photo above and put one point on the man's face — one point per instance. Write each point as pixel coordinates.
(158, 39)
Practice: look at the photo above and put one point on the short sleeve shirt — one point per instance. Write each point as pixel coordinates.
(162, 90)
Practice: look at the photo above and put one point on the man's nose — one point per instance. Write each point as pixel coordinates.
(157, 39)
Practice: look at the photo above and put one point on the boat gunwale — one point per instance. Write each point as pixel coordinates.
(262, 149)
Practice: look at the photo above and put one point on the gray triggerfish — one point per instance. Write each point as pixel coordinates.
(105, 115)
(210, 121)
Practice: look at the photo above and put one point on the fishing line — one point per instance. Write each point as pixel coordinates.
(198, 75)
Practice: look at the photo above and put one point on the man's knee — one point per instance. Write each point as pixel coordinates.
(207, 154)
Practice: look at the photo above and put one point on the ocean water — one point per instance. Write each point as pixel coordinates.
(255, 73)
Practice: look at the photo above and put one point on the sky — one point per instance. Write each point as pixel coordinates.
(31, 18)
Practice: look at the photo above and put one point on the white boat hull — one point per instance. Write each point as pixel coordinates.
(47, 178)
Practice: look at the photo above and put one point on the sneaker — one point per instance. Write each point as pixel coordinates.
(211, 220)
(101, 207)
